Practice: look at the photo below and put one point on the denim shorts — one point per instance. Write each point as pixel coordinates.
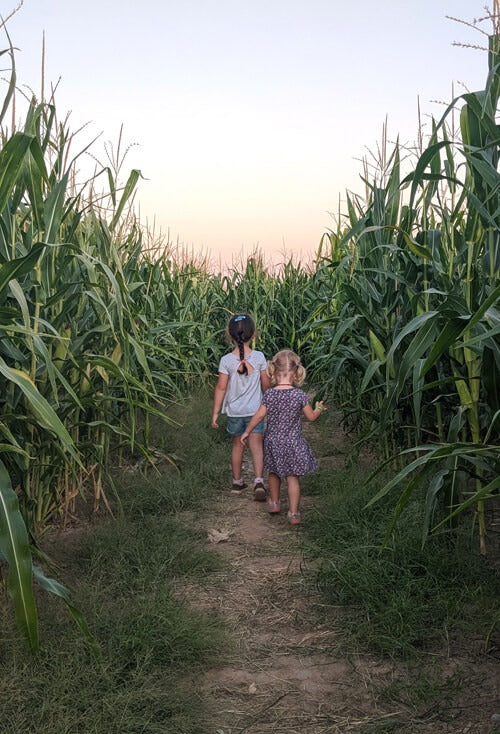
(237, 426)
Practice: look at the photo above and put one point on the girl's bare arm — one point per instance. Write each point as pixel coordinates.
(220, 391)
(313, 414)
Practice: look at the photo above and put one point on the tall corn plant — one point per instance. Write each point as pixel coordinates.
(75, 377)
(470, 340)
(70, 325)
(417, 306)
(23, 405)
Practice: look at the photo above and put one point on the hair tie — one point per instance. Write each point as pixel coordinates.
(239, 318)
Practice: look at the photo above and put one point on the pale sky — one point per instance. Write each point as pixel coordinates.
(246, 118)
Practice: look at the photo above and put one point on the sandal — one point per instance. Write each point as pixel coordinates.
(294, 518)
(259, 492)
(273, 507)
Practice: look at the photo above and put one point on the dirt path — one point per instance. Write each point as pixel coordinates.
(284, 674)
(289, 671)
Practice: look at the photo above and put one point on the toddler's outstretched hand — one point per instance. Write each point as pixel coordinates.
(320, 406)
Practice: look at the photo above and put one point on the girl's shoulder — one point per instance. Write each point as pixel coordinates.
(227, 359)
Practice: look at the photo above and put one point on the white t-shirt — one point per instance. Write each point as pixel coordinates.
(243, 394)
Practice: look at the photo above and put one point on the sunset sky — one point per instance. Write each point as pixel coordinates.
(246, 119)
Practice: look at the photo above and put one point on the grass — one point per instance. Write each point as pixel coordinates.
(401, 600)
(121, 573)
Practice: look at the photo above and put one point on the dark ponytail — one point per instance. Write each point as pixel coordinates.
(241, 329)
(242, 369)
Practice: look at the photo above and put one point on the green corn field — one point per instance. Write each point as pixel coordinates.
(397, 321)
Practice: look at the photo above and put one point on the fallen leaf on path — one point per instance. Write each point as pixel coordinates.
(218, 536)
(252, 688)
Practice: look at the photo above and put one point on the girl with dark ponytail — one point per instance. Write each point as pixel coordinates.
(242, 379)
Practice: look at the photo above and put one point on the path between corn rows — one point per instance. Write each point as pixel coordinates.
(289, 670)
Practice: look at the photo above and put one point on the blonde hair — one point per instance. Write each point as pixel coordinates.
(287, 363)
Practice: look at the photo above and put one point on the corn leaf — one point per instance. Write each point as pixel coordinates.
(15, 550)
(40, 407)
(58, 589)
(11, 158)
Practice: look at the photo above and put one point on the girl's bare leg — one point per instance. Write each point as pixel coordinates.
(237, 457)
(293, 493)
(274, 484)
(256, 445)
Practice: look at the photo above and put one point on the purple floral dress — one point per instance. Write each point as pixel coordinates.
(286, 452)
